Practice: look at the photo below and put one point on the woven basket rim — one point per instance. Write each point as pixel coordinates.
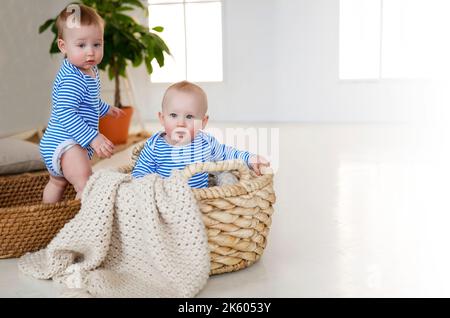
(255, 183)
(225, 191)
(23, 175)
(232, 190)
(39, 206)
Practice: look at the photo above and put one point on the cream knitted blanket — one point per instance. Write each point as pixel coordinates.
(132, 238)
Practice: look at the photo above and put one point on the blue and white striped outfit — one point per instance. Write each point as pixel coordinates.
(159, 157)
(76, 109)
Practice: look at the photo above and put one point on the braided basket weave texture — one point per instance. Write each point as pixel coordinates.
(27, 225)
(237, 217)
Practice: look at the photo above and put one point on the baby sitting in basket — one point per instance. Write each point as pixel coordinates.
(183, 142)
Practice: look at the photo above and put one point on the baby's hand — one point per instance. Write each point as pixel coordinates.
(102, 146)
(115, 112)
(256, 162)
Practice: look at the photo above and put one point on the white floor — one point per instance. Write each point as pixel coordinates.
(361, 212)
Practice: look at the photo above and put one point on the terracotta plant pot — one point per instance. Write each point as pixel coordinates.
(116, 129)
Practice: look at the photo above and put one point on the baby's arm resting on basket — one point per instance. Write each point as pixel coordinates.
(145, 163)
(221, 152)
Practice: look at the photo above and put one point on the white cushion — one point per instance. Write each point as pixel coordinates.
(17, 156)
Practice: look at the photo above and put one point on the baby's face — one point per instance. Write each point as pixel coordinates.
(83, 46)
(183, 115)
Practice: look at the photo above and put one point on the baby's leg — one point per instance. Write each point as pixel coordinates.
(76, 167)
(54, 189)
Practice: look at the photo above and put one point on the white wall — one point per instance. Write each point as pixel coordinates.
(26, 68)
(280, 64)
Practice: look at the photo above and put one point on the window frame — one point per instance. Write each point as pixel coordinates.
(380, 78)
(222, 28)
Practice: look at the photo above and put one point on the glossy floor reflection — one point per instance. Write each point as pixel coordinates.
(361, 212)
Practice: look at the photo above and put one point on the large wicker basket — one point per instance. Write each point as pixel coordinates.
(237, 217)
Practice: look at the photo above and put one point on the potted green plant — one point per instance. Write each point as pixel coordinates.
(125, 41)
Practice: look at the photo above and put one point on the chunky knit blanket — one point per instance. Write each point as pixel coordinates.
(132, 238)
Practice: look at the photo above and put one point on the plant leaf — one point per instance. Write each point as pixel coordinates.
(137, 60)
(158, 29)
(148, 64)
(54, 46)
(159, 55)
(135, 3)
(46, 24)
(110, 72)
(124, 8)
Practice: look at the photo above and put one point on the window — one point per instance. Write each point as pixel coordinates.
(394, 39)
(193, 33)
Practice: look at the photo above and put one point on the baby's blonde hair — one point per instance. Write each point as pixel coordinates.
(186, 87)
(88, 16)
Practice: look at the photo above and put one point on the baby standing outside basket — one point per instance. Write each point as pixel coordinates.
(183, 142)
(72, 134)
